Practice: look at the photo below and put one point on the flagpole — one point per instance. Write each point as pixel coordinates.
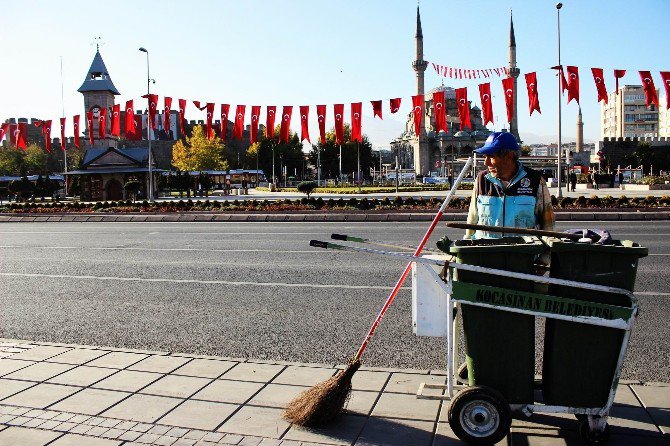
(62, 102)
(358, 174)
(559, 194)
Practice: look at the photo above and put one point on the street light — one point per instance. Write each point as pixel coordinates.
(151, 178)
(560, 96)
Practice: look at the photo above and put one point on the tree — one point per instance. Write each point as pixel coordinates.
(14, 161)
(199, 153)
(288, 154)
(307, 187)
(330, 152)
(35, 159)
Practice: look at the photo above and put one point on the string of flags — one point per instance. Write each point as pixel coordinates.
(132, 125)
(468, 73)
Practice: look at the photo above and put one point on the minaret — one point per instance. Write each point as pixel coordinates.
(99, 91)
(514, 73)
(421, 154)
(579, 146)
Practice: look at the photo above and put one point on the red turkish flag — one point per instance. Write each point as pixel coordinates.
(665, 75)
(225, 109)
(417, 111)
(21, 136)
(321, 117)
(62, 134)
(649, 88)
(304, 121)
(338, 111)
(3, 130)
(197, 104)
(46, 131)
(395, 105)
(102, 123)
(487, 107)
(255, 117)
(285, 129)
(356, 121)
(136, 133)
(440, 111)
(208, 122)
(75, 124)
(573, 83)
(152, 99)
(599, 79)
(238, 128)
(167, 105)
(618, 74)
(463, 107)
(116, 120)
(562, 81)
(129, 121)
(533, 97)
(89, 126)
(270, 121)
(182, 115)
(376, 109)
(508, 89)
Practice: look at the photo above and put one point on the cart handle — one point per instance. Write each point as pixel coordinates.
(512, 230)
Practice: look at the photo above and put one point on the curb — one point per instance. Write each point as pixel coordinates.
(307, 217)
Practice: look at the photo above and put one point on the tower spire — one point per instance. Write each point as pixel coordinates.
(421, 150)
(512, 40)
(419, 32)
(513, 73)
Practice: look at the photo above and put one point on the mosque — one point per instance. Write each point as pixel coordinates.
(431, 152)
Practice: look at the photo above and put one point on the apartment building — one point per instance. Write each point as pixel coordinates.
(626, 115)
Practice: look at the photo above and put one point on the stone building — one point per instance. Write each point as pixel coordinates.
(427, 151)
(626, 115)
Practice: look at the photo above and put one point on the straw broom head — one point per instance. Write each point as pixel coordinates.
(323, 402)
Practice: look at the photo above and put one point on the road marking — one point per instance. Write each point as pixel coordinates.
(205, 282)
(650, 293)
(163, 249)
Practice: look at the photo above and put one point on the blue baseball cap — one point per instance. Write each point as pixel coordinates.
(498, 141)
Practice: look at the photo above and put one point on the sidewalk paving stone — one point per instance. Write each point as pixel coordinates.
(90, 401)
(11, 365)
(409, 383)
(365, 380)
(199, 415)
(343, 431)
(249, 371)
(32, 437)
(393, 432)
(263, 421)
(82, 376)
(40, 371)
(276, 395)
(144, 408)
(77, 356)
(205, 368)
(9, 387)
(304, 376)
(397, 405)
(159, 364)
(117, 360)
(361, 402)
(226, 391)
(128, 381)
(41, 396)
(40, 353)
(656, 400)
(177, 386)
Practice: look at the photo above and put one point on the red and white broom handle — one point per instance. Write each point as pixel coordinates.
(408, 268)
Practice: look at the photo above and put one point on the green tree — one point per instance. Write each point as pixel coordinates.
(287, 154)
(330, 152)
(35, 159)
(12, 161)
(199, 153)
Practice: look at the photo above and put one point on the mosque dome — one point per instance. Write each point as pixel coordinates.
(449, 93)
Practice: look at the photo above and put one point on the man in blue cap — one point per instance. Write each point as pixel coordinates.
(508, 194)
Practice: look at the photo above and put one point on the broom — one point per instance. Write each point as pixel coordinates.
(323, 402)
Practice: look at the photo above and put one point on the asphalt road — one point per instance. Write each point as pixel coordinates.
(256, 290)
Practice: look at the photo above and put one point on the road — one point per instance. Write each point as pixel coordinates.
(255, 290)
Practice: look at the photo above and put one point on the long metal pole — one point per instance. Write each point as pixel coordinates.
(358, 174)
(560, 95)
(318, 165)
(340, 164)
(62, 101)
(149, 123)
(274, 179)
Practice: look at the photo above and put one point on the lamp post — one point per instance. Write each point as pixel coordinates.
(559, 194)
(151, 178)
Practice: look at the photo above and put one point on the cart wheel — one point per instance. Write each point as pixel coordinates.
(593, 437)
(480, 415)
(462, 374)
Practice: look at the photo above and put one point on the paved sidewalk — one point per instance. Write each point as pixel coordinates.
(58, 394)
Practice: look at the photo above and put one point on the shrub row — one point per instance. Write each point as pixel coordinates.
(312, 203)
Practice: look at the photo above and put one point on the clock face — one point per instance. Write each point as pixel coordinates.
(96, 111)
